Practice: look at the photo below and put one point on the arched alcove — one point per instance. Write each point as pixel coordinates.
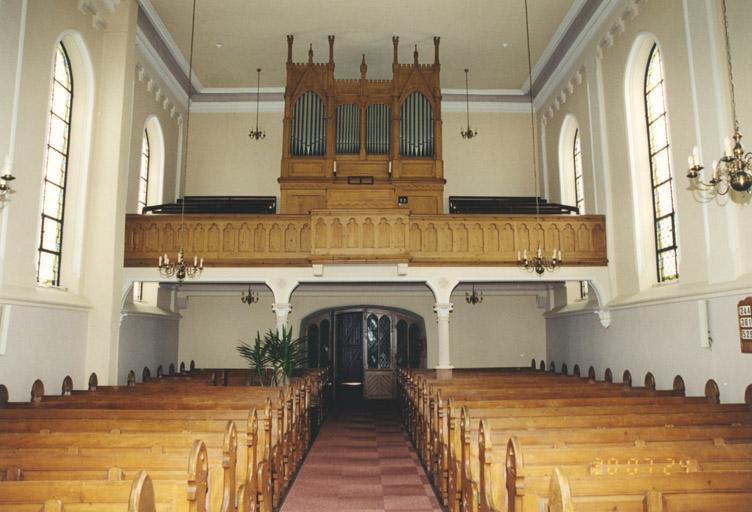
(365, 344)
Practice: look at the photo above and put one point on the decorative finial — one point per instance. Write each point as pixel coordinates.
(436, 40)
(331, 49)
(290, 39)
(415, 55)
(395, 43)
(363, 67)
(310, 54)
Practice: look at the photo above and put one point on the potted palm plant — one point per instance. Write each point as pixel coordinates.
(278, 352)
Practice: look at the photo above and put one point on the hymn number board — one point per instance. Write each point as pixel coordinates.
(744, 309)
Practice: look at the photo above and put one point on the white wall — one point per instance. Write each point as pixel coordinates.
(147, 340)
(73, 329)
(503, 331)
(663, 339)
(658, 327)
(222, 160)
(43, 343)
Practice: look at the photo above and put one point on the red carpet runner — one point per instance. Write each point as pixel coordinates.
(362, 460)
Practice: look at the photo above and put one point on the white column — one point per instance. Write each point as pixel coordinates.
(282, 310)
(442, 309)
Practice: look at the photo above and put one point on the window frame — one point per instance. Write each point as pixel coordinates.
(654, 53)
(60, 49)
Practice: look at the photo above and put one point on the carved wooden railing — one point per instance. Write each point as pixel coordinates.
(363, 236)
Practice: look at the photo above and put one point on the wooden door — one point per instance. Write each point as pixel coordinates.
(349, 336)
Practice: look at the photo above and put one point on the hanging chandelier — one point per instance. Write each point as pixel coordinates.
(5, 179)
(474, 297)
(468, 133)
(733, 171)
(180, 268)
(250, 297)
(538, 263)
(258, 133)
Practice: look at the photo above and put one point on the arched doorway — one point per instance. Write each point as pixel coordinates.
(365, 345)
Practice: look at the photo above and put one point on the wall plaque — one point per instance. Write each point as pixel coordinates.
(744, 310)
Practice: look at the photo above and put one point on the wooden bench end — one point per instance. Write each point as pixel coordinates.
(4, 396)
(712, 393)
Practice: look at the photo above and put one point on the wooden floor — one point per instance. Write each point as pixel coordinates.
(362, 460)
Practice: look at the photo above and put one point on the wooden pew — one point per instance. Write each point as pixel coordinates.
(133, 408)
(685, 492)
(83, 496)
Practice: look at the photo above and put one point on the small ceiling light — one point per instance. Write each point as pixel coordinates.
(258, 133)
(474, 297)
(250, 297)
(469, 133)
(219, 45)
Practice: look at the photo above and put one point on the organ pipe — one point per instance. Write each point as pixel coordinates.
(308, 134)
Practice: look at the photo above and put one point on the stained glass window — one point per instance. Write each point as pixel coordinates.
(143, 194)
(579, 191)
(55, 171)
(385, 342)
(664, 216)
(372, 341)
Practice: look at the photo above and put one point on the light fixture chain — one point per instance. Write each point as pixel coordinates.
(187, 122)
(467, 100)
(532, 110)
(730, 66)
(258, 93)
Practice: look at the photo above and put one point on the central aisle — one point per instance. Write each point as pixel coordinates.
(362, 460)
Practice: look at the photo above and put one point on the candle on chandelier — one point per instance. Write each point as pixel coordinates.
(728, 146)
(201, 264)
(335, 167)
(716, 171)
(538, 253)
(695, 157)
(195, 261)
(524, 255)
(160, 260)
(390, 168)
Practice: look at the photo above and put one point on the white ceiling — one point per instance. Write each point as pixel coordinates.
(252, 35)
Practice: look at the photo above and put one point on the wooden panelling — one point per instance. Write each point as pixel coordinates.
(363, 235)
(361, 196)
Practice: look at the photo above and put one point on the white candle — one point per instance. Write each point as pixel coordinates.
(390, 167)
(201, 264)
(6, 166)
(335, 167)
(195, 261)
(696, 156)
(690, 161)
(716, 171)
(519, 256)
(538, 252)
(160, 260)
(524, 254)
(729, 146)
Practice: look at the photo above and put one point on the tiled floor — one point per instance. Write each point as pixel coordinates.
(362, 460)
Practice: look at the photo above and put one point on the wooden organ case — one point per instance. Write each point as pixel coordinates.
(359, 143)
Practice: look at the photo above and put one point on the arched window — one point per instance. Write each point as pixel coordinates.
(55, 171)
(664, 217)
(143, 198)
(579, 188)
(143, 175)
